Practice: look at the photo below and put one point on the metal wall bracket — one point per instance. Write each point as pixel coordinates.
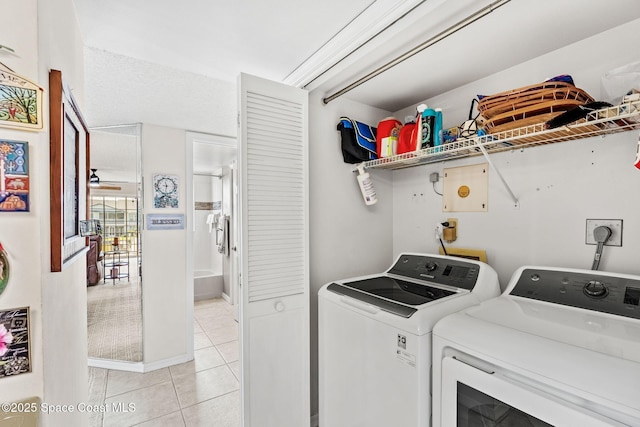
(497, 171)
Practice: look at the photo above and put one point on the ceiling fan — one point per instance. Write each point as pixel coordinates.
(94, 182)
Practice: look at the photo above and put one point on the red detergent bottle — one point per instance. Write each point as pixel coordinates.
(387, 137)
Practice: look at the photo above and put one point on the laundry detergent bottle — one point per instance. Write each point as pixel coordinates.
(387, 137)
(366, 186)
(406, 137)
(428, 128)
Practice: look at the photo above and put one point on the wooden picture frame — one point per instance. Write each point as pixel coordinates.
(69, 173)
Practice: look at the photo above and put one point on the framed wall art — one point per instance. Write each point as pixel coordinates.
(14, 176)
(4, 269)
(69, 173)
(15, 354)
(20, 102)
(165, 191)
(165, 221)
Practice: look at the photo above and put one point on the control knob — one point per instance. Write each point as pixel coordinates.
(595, 289)
(431, 266)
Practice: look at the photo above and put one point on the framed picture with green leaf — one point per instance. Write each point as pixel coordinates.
(20, 101)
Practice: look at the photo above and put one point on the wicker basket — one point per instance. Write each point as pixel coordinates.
(529, 105)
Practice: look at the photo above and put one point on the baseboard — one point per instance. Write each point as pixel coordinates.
(117, 365)
(140, 367)
(206, 296)
(159, 364)
(226, 297)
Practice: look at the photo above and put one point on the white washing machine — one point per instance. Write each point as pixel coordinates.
(559, 347)
(375, 337)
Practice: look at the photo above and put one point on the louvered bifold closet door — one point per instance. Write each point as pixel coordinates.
(273, 171)
(276, 197)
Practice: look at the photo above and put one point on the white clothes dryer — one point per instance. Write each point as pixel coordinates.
(375, 337)
(560, 347)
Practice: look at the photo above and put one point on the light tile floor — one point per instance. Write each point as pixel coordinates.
(203, 392)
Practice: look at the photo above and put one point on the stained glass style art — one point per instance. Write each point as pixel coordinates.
(20, 102)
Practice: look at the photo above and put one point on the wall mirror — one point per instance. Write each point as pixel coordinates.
(114, 264)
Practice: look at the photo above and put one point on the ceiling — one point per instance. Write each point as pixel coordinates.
(511, 34)
(217, 38)
(325, 45)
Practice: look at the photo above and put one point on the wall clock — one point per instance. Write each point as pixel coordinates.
(165, 191)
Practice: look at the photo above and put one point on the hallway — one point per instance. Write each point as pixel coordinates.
(203, 392)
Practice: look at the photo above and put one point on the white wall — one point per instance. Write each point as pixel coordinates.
(20, 232)
(64, 298)
(559, 186)
(165, 299)
(347, 238)
(45, 35)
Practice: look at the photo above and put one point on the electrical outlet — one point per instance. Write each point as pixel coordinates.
(450, 233)
(616, 231)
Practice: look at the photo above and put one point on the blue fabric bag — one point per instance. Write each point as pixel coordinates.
(358, 141)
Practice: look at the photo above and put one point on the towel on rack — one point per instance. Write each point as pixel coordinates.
(222, 234)
(211, 220)
(226, 234)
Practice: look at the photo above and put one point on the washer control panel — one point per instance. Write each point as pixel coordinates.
(592, 291)
(441, 270)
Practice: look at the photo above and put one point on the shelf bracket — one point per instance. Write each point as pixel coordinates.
(486, 156)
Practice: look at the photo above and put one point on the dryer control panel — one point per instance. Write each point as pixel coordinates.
(619, 295)
(441, 270)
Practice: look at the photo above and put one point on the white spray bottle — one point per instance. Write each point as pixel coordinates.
(366, 186)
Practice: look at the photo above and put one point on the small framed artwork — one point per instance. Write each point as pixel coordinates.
(69, 173)
(165, 221)
(20, 102)
(14, 176)
(165, 191)
(15, 354)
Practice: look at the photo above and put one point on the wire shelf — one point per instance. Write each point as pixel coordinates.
(620, 118)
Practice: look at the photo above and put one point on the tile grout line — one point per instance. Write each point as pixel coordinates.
(175, 391)
(226, 314)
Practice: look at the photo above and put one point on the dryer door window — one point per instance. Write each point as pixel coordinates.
(477, 409)
(472, 397)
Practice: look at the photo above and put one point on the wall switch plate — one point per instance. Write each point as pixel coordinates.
(616, 231)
